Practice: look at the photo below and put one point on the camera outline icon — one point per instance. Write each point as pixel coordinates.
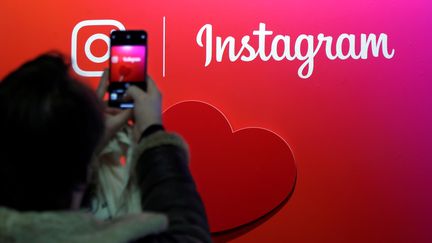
(88, 43)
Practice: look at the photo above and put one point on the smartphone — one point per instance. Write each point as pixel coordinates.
(128, 65)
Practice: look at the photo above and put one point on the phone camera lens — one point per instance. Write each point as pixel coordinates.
(142, 36)
(128, 36)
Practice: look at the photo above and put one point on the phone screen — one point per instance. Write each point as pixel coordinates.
(128, 65)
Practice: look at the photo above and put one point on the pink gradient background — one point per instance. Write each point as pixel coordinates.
(360, 130)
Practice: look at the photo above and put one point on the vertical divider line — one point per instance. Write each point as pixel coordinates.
(163, 45)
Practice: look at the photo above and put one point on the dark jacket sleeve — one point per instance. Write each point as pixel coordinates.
(167, 186)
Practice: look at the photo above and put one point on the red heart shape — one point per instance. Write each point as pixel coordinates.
(241, 175)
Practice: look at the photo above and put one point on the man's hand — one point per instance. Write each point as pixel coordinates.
(148, 105)
(115, 118)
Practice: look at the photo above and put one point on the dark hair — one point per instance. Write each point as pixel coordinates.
(50, 125)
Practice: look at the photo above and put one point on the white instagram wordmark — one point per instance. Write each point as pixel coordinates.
(248, 52)
(90, 40)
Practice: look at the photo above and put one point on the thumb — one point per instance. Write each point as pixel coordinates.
(134, 92)
(151, 86)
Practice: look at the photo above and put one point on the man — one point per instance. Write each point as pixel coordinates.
(51, 128)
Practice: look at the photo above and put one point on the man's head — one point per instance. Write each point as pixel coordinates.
(50, 125)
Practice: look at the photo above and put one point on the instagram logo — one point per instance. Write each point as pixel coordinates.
(83, 63)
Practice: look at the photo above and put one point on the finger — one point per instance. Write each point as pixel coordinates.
(116, 122)
(112, 110)
(103, 84)
(134, 92)
(151, 86)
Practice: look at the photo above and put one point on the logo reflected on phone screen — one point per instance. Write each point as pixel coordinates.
(127, 63)
(114, 59)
